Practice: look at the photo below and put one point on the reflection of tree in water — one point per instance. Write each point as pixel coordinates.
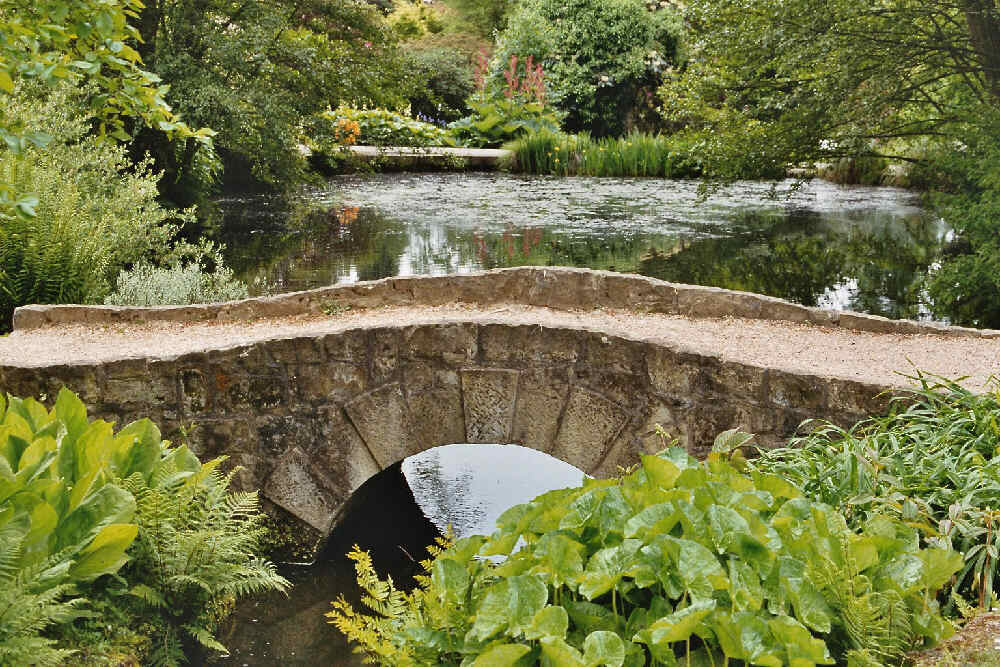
(442, 492)
(800, 257)
(306, 245)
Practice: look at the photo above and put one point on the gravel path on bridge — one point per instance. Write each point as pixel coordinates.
(801, 348)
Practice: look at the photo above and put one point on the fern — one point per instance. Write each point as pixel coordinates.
(196, 550)
(28, 606)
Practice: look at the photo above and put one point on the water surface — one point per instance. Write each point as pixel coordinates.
(845, 247)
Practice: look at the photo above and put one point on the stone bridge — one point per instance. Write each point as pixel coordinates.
(315, 392)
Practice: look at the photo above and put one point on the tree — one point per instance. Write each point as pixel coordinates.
(598, 56)
(254, 70)
(778, 82)
(56, 40)
(774, 82)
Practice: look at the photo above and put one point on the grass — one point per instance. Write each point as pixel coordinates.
(635, 155)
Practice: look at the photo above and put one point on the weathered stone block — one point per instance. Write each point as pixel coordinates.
(622, 291)
(527, 344)
(385, 355)
(719, 378)
(292, 487)
(671, 372)
(452, 343)
(798, 392)
(297, 350)
(351, 346)
(340, 454)
(857, 397)
(541, 395)
(195, 394)
(588, 425)
(209, 438)
(383, 421)
(488, 396)
(331, 381)
(434, 398)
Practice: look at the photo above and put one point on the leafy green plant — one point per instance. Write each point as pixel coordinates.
(96, 213)
(933, 462)
(181, 282)
(499, 116)
(377, 127)
(677, 561)
(580, 155)
(196, 553)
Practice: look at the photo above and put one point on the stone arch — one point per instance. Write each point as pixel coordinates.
(311, 417)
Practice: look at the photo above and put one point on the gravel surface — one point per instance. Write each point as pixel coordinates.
(801, 348)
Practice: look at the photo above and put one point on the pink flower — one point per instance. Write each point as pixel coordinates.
(368, 45)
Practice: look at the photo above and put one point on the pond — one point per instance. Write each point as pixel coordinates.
(394, 516)
(844, 247)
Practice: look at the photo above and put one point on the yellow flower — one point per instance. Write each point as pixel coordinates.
(557, 148)
(557, 159)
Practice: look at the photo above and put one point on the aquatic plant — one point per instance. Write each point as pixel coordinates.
(560, 154)
(677, 561)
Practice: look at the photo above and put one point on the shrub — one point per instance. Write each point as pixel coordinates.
(601, 56)
(933, 462)
(676, 559)
(78, 500)
(520, 109)
(182, 282)
(97, 212)
(377, 127)
(446, 82)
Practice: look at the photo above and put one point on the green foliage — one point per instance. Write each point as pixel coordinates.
(603, 58)
(181, 282)
(54, 42)
(494, 122)
(375, 127)
(62, 523)
(580, 155)
(676, 560)
(445, 78)
(933, 462)
(196, 552)
(78, 501)
(781, 82)
(257, 70)
(95, 211)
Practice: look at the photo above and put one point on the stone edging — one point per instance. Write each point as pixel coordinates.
(561, 288)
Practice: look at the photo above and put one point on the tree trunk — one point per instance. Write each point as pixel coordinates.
(983, 19)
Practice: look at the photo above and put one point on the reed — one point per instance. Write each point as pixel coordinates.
(634, 155)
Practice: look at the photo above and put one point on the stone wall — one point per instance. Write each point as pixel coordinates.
(311, 418)
(565, 288)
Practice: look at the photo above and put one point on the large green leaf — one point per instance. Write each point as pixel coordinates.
(509, 605)
(502, 655)
(450, 579)
(660, 471)
(803, 650)
(607, 567)
(603, 648)
(549, 622)
(137, 449)
(676, 627)
(557, 653)
(106, 506)
(106, 554)
(559, 557)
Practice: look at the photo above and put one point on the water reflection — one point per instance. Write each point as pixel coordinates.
(467, 487)
(394, 516)
(852, 248)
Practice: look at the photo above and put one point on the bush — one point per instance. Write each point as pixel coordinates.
(933, 462)
(181, 282)
(375, 127)
(579, 155)
(677, 559)
(446, 82)
(97, 212)
(78, 500)
(601, 56)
